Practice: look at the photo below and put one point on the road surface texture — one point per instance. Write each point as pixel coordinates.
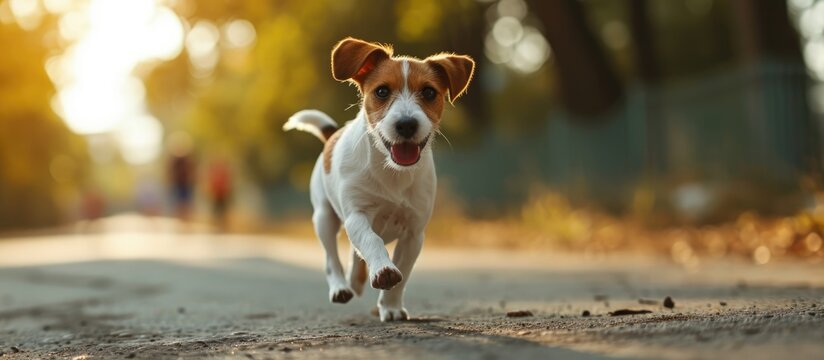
(137, 288)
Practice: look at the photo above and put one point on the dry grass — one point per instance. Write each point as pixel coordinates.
(550, 222)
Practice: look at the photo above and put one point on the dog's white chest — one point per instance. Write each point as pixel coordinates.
(392, 221)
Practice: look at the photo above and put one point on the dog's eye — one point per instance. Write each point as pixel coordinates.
(382, 92)
(429, 93)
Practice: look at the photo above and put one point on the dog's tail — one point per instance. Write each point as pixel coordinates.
(314, 122)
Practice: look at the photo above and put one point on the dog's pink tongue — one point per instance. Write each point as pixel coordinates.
(406, 153)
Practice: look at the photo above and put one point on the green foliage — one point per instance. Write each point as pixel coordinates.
(41, 163)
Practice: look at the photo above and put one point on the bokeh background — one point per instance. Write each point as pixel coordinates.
(689, 128)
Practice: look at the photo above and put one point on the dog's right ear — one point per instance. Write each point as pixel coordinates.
(353, 59)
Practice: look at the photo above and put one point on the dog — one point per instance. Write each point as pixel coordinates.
(376, 175)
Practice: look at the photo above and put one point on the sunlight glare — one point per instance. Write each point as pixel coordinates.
(239, 33)
(140, 139)
(73, 25)
(507, 30)
(814, 56)
(102, 104)
(98, 92)
(57, 6)
(201, 44)
(531, 52)
(27, 13)
(165, 36)
(510, 42)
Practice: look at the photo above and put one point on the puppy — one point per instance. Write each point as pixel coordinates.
(376, 176)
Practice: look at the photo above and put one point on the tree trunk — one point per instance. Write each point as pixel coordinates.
(764, 29)
(588, 83)
(640, 26)
(465, 36)
(648, 72)
(783, 125)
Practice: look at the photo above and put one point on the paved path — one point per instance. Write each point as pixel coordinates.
(125, 292)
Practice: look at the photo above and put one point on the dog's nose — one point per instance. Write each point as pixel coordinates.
(406, 127)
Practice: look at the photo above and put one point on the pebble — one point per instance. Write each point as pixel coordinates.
(585, 313)
(668, 303)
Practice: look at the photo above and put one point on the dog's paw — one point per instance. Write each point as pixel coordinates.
(386, 278)
(388, 313)
(340, 295)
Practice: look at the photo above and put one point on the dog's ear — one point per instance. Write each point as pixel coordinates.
(353, 59)
(455, 71)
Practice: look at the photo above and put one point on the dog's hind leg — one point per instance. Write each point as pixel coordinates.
(357, 272)
(327, 225)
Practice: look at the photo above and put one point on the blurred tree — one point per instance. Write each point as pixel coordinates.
(643, 40)
(691, 37)
(764, 35)
(42, 164)
(763, 28)
(588, 82)
(463, 29)
(647, 68)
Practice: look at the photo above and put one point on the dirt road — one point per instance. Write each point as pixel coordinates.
(130, 293)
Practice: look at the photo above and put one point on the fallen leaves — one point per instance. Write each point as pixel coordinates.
(624, 312)
(519, 313)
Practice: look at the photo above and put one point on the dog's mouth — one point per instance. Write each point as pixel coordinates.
(405, 153)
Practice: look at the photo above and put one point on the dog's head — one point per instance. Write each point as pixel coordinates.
(403, 97)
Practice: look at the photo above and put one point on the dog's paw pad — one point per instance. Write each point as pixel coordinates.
(386, 278)
(393, 314)
(341, 296)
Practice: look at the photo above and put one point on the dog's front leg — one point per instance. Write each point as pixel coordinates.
(382, 272)
(390, 302)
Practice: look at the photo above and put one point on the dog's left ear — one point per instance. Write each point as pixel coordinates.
(455, 71)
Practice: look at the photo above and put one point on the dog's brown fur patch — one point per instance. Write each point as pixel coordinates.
(386, 73)
(328, 147)
(422, 75)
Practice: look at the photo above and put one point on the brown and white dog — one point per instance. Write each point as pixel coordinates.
(376, 175)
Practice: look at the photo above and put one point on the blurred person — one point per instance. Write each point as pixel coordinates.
(220, 188)
(148, 196)
(93, 205)
(181, 171)
(181, 174)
